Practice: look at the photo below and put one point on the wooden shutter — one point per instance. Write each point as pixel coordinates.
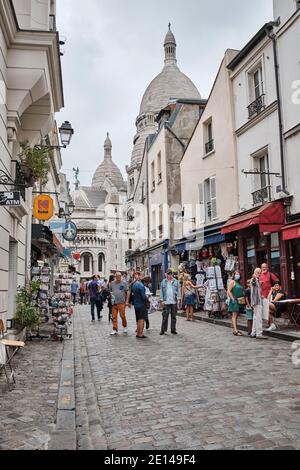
(213, 198)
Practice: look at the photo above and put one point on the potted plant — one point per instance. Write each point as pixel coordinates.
(27, 313)
(35, 163)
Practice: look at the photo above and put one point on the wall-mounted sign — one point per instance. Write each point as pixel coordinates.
(8, 198)
(57, 226)
(70, 231)
(43, 207)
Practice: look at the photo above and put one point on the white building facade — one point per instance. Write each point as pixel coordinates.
(30, 92)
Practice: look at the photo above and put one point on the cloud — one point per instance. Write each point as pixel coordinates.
(114, 49)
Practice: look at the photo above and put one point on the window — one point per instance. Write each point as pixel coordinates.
(130, 244)
(159, 180)
(208, 197)
(262, 182)
(256, 91)
(100, 263)
(208, 137)
(131, 185)
(87, 263)
(153, 176)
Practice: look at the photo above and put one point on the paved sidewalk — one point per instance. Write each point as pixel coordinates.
(202, 389)
(28, 413)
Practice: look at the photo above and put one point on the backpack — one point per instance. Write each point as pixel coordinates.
(131, 297)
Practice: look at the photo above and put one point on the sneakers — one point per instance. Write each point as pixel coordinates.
(273, 327)
(125, 331)
(114, 333)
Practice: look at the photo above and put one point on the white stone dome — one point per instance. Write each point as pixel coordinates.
(108, 169)
(170, 83)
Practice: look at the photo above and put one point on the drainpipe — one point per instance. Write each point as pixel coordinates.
(272, 36)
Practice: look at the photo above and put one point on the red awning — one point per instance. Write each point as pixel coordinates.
(291, 232)
(270, 218)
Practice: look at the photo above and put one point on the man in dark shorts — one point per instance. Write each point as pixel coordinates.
(140, 302)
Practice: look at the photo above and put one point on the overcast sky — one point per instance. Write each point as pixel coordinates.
(114, 49)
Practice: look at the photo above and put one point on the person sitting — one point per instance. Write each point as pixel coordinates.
(276, 310)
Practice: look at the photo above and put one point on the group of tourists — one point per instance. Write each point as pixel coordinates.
(259, 300)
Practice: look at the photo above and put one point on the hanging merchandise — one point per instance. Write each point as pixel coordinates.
(62, 306)
(41, 274)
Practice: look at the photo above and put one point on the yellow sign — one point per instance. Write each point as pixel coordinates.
(43, 207)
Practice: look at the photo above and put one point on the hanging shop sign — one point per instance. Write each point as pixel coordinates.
(43, 207)
(70, 231)
(8, 198)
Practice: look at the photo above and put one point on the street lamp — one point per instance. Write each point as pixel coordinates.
(68, 211)
(66, 133)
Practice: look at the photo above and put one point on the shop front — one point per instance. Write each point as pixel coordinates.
(158, 260)
(291, 238)
(259, 240)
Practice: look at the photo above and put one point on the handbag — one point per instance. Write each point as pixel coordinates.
(241, 301)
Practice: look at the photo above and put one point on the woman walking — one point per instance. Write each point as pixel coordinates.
(188, 297)
(236, 294)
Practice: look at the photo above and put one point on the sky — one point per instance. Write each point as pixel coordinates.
(114, 48)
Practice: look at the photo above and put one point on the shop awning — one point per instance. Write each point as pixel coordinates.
(270, 218)
(291, 232)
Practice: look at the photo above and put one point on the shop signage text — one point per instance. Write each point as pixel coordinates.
(10, 198)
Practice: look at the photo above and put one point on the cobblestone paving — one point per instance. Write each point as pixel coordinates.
(202, 389)
(28, 413)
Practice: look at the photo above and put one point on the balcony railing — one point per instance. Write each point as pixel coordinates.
(262, 195)
(257, 106)
(209, 146)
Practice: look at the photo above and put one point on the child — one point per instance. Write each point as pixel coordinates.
(249, 310)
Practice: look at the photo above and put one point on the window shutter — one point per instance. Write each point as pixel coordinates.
(213, 197)
(201, 193)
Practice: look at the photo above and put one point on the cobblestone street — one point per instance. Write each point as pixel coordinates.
(202, 389)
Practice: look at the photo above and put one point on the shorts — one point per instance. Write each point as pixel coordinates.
(249, 313)
(141, 313)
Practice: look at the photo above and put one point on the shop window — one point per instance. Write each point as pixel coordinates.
(251, 257)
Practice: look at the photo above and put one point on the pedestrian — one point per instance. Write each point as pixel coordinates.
(74, 290)
(249, 309)
(109, 297)
(95, 299)
(140, 302)
(237, 301)
(120, 300)
(257, 305)
(147, 283)
(82, 292)
(276, 294)
(169, 297)
(87, 293)
(188, 297)
(267, 281)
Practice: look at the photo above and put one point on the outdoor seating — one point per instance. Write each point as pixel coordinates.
(8, 350)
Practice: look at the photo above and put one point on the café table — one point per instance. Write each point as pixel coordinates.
(292, 310)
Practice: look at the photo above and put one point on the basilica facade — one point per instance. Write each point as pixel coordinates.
(99, 218)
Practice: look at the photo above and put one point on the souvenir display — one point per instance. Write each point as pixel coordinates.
(42, 275)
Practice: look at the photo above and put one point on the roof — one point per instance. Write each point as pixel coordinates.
(88, 198)
(259, 36)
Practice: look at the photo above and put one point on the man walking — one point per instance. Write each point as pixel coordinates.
(120, 299)
(74, 290)
(169, 296)
(95, 299)
(140, 301)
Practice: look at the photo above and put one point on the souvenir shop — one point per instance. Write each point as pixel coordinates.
(210, 262)
(260, 239)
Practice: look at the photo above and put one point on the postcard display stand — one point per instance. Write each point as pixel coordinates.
(62, 306)
(42, 274)
(216, 295)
